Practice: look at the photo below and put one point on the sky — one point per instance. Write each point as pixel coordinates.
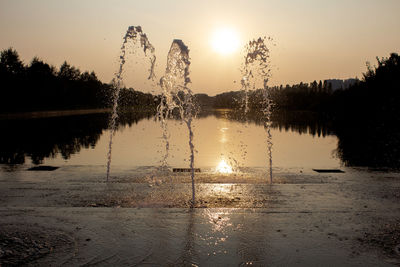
(313, 39)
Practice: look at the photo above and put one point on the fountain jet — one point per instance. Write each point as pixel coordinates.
(255, 74)
(134, 34)
(176, 95)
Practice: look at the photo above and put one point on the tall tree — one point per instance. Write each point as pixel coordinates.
(10, 62)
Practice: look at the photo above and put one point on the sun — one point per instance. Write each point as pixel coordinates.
(225, 41)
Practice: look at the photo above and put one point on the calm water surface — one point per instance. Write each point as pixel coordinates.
(220, 140)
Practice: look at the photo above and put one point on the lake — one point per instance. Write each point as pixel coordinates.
(220, 138)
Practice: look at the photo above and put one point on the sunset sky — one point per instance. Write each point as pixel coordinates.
(313, 39)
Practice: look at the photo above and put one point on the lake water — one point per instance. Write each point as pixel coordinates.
(82, 139)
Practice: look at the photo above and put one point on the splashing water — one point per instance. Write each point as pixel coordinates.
(256, 72)
(267, 126)
(134, 34)
(176, 95)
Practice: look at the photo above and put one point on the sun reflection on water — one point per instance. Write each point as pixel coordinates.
(224, 167)
(221, 225)
(224, 138)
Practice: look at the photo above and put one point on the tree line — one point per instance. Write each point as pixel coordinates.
(41, 86)
(376, 95)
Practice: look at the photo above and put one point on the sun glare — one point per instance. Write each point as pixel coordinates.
(223, 167)
(225, 41)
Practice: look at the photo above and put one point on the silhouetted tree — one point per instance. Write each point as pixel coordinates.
(67, 72)
(12, 76)
(10, 62)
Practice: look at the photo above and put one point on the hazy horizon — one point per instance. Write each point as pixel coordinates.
(313, 40)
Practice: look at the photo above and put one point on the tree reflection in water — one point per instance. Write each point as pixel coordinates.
(375, 145)
(41, 138)
(362, 143)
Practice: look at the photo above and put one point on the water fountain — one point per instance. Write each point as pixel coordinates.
(176, 95)
(177, 98)
(255, 74)
(134, 34)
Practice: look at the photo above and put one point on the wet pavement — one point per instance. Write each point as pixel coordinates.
(142, 217)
